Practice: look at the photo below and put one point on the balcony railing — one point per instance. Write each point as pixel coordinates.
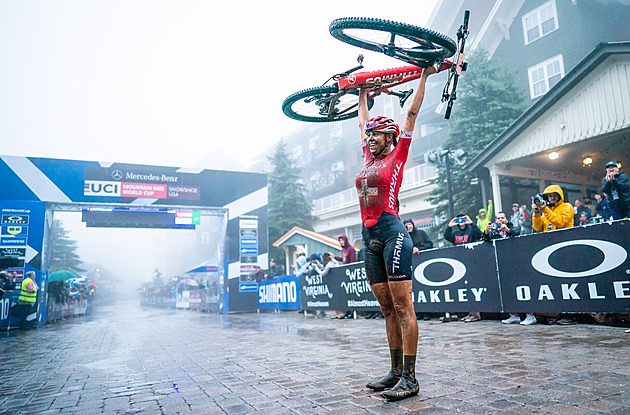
(413, 177)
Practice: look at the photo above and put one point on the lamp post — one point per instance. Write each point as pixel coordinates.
(450, 158)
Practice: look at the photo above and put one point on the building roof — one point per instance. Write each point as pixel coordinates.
(562, 88)
(298, 236)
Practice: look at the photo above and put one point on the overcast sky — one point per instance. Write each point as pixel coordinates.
(186, 83)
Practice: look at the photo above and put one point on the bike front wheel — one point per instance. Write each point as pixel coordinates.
(411, 44)
(323, 104)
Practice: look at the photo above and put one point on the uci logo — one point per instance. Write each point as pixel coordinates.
(614, 255)
(459, 270)
(14, 230)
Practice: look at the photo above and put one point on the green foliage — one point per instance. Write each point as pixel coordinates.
(287, 205)
(488, 101)
(63, 250)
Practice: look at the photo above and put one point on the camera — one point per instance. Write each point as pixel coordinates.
(539, 200)
(495, 225)
(460, 219)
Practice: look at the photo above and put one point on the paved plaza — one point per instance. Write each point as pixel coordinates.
(125, 359)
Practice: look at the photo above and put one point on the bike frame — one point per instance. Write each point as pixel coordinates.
(380, 81)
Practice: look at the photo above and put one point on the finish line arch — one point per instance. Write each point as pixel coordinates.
(34, 188)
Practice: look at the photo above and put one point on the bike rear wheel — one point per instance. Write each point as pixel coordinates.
(322, 104)
(411, 44)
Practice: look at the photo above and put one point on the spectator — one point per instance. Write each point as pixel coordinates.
(360, 251)
(5, 282)
(526, 224)
(421, 239)
(615, 185)
(601, 208)
(28, 299)
(503, 229)
(328, 262)
(348, 253)
(584, 219)
(274, 269)
(462, 230)
(301, 265)
(551, 213)
(348, 256)
(485, 217)
(588, 203)
(578, 209)
(516, 217)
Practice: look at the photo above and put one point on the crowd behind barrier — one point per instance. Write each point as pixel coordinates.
(181, 293)
(580, 270)
(65, 299)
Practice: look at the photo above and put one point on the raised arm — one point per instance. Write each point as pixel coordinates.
(364, 116)
(416, 100)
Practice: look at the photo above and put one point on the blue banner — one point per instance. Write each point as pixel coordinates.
(280, 293)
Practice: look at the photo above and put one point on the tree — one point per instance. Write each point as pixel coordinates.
(287, 205)
(488, 102)
(63, 250)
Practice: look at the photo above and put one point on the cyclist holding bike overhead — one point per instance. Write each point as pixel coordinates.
(388, 245)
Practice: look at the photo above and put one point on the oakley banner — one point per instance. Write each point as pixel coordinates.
(582, 269)
(459, 278)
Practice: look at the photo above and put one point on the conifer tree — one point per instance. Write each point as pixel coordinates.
(488, 101)
(63, 250)
(287, 206)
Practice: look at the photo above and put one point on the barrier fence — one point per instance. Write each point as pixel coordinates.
(581, 269)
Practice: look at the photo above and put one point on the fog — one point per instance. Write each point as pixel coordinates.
(132, 254)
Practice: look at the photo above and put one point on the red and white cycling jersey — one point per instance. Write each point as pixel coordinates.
(379, 181)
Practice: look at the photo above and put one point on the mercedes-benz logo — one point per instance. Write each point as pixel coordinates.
(117, 175)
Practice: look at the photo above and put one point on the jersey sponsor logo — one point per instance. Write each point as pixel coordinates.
(614, 255)
(392, 187)
(101, 188)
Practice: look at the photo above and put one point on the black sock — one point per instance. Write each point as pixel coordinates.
(409, 366)
(396, 356)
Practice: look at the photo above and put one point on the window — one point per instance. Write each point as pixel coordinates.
(337, 166)
(336, 130)
(544, 76)
(540, 22)
(312, 142)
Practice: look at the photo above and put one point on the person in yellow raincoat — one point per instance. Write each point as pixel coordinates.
(555, 214)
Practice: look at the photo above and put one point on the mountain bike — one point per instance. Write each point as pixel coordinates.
(337, 99)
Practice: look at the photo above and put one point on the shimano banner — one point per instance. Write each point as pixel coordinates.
(582, 269)
(281, 293)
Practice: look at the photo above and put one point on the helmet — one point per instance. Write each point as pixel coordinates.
(383, 125)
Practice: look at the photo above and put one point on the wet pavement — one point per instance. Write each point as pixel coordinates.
(130, 360)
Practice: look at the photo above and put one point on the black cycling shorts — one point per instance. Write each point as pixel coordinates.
(388, 250)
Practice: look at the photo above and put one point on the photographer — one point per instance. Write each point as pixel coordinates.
(550, 212)
(500, 229)
(462, 230)
(615, 185)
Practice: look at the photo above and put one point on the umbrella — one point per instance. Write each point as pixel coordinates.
(188, 281)
(207, 266)
(62, 275)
